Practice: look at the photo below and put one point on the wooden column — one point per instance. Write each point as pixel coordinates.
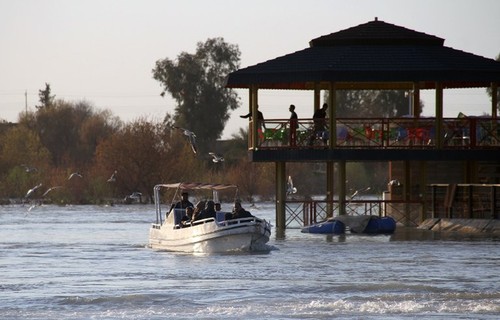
(342, 187)
(253, 108)
(281, 195)
(439, 115)
(332, 116)
(416, 100)
(494, 100)
(317, 96)
(407, 191)
(330, 187)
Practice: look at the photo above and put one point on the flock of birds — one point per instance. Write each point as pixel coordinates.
(74, 175)
(191, 136)
(32, 191)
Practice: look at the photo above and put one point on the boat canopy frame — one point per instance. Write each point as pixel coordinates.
(183, 186)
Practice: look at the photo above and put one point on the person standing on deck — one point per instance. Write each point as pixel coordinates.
(294, 124)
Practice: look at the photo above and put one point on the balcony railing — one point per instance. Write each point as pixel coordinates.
(382, 133)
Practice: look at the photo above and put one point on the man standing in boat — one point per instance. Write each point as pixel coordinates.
(184, 203)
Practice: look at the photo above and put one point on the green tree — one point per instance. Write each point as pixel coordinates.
(70, 131)
(143, 154)
(21, 147)
(196, 82)
(372, 103)
(45, 98)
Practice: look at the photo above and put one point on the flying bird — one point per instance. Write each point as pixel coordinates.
(216, 158)
(191, 137)
(32, 190)
(75, 174)
(290, 189)
(29, 169)
(359, 191)
(113, 177)
(49, 190)
(135, 195)
(394, 182)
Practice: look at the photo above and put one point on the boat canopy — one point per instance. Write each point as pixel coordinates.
(197, 186)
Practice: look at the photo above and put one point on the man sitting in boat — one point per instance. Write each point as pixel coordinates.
(238, 212)
(186, 219)
(208, 212)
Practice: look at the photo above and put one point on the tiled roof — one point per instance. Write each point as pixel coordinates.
(374, 52)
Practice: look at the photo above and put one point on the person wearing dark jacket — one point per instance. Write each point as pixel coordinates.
(239, 212)
(209, 211)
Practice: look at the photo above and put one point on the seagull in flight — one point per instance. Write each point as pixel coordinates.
(359, 191)
(29, 169)
(290, 189)
(135, 195)
(216, 158)
(32, 190)
(113, 177)
(191, 137)
(75, 174)
(49, 190)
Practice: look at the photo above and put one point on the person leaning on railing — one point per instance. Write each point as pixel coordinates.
(261, 126)
(319, 124)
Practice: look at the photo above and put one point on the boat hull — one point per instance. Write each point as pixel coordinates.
(385, 225)
(356, 224)
(333, 226)
(210, 236)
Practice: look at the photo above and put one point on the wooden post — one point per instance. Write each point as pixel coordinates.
(494, 100)
(255, 120)
(416, 100)
(407, 191)
(281, 195)
(342, 187)
(332, 112)
(330, 187)
(317, 96)
(439, 115)
(493, 203)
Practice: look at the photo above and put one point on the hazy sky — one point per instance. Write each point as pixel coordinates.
(103, 51)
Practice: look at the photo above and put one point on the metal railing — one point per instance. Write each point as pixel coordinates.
(385, 133)
(304, 213)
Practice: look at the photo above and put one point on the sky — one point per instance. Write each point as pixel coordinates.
(103, 51)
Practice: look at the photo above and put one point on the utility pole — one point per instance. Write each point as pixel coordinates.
(26, 101)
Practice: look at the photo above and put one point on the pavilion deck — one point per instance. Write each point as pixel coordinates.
(383, 139)
(386, 133)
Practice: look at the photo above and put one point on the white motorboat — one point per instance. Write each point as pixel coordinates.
(210, 235)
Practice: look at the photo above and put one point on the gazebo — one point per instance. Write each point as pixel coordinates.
(374, 56)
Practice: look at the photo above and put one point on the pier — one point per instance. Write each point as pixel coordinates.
(425, 154)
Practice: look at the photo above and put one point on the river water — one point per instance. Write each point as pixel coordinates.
(92, 262)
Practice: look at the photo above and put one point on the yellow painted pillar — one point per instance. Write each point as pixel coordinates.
(342, 187)
(494, 100)
(439, 115)
(281, 182)
(317, 96)
(416, 100)
(332, 116)
(330, 187)
(253, 107)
